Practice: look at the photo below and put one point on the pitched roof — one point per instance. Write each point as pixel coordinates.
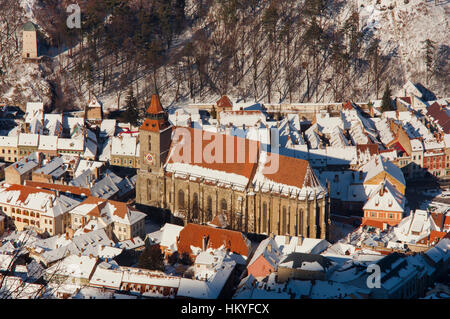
(155, 105)
(238, 160)
(59, 187)
(386, 198)
(440, 115)
(224, 102)
(25, 191)
(293, 176)
(193, 234)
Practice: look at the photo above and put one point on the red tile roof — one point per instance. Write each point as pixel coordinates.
(155, 105)
(347, 106)
(200, 140)
(372, 148)
(439, 113)
(224, 102)
(193, 234)
(292, 171)
(25, 191)
(121, 208)
(438, 219)
(406, 99)
(62, 188)
(373, 223)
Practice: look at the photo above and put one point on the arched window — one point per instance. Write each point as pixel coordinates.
(195, 206)
(149, 190)
(209, 208)
(223, 205)
(264, 218)
(283, 221)
(180, 199)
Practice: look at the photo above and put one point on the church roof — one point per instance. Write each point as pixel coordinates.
(235, 158)
(155, 105)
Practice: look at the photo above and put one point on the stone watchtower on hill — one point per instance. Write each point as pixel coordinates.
(29, 48)
(154, 140)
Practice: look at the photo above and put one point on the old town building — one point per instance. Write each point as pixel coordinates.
(238, 182)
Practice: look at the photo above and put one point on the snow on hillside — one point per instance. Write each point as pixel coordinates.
(28, 6)
(403, 29)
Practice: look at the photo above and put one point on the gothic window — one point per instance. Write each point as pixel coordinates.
(180, 199)
(223, 206)
(149, 190)
(209, 208)
(264, 218)
(283, 220)
(195, 208)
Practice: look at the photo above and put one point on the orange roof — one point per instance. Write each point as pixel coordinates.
(372, 148)
(347, 106)
(224, 102)
(229, 160)
(193, 234)
(373, 223)
(155, 105)
(62, 188)
(438, 219)
(436, 236)
(25, 191)
(292, 172)
(121, 208)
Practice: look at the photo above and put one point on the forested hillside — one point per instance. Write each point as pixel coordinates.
(195, 50)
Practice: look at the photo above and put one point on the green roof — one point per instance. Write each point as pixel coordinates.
(29, 26)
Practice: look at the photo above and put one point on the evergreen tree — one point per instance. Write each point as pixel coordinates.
(429, 53)
(151, 258)
(131, 114)
(386, 104)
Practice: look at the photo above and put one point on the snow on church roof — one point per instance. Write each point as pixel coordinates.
(286, 175)
(235, 165)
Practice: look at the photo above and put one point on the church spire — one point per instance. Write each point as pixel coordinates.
(155, 106)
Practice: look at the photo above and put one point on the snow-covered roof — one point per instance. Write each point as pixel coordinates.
(71, 144)
(74, 266)
(84, 165)
(48, 143)
(34, 110)
(125, 145)
(26, 139)
(386, 198)
(295, 179)
(378, 165)
(9, 141)
(108, 128)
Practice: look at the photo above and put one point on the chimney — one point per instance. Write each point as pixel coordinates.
(204, 243)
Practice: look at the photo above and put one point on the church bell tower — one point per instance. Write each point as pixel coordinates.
(154, 140)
